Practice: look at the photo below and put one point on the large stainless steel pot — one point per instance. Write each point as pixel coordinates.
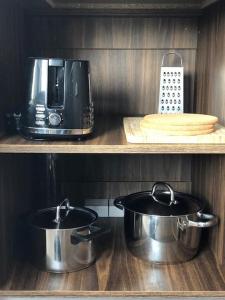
(163, 226)
(63, 238)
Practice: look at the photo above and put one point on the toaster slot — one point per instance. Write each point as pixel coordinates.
(55, 86)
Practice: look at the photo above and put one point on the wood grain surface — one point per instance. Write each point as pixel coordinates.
(17, 195)
(210, 88)
(95, 168)
(208, 177)
(59, 32)
(151, 6)
(10, 59)
(14, 194)
(117, 272)
(208, 184)
(136, 133)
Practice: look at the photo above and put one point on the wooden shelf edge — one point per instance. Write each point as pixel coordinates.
(169, 8)
(115, 149)
(61, 293)
(108, 138)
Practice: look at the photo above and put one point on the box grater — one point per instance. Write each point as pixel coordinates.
(171, 92)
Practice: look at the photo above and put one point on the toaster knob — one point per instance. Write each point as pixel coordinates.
(54, 119)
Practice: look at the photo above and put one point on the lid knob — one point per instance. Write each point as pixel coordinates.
(172, 197)
(67, 206)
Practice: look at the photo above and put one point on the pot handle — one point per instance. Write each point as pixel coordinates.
(118, 202)
(206, 220)
(96, 231)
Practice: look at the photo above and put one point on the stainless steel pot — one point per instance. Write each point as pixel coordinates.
(62, 238)
(163, 226)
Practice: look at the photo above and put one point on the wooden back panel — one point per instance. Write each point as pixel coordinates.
(125, 55)
(81, 177)
(86, 32)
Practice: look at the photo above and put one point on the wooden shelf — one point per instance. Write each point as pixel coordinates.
(121, 5)
(118, 273)
(109, 137)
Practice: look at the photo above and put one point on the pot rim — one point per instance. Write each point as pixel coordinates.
(199, 202)
(72, 228)
(158, 216)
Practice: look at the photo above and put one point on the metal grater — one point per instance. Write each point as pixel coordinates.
(171, 93)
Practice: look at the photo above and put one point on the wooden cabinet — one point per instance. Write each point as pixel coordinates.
(124, 41)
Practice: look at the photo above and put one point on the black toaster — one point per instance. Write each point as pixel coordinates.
(58, 101)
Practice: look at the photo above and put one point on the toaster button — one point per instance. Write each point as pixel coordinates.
(40, 109)
(40, 116)
(54, 119)
(40, 123)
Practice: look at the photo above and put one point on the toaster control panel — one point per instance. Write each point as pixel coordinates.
(54, 119)
(40, 115)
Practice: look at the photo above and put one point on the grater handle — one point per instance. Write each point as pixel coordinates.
(172, 53)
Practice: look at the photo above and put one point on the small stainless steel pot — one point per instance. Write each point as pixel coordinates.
(163, 226)
(62, 238)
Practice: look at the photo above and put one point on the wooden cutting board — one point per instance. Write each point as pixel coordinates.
(135, 135)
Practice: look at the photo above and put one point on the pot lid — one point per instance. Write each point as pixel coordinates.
(162, 202)
(63, 217)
